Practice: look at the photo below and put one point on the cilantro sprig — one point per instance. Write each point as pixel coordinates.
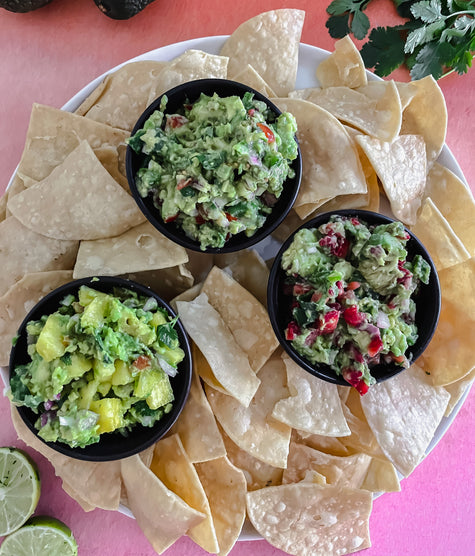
(437, 38)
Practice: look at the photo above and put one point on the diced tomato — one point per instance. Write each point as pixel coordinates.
(329, 321)
(406, 278)
(339, 285)
(230, 217)
(251, 111)
(352, 316)
(292, 331)
(171, 218)
(398, 358)
(375, 346)
(353, 286)
(354, 377)
(199, 219)
(355, 221)
(267, 132)
(142, 362)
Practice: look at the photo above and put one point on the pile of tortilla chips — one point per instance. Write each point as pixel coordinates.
(258, 437)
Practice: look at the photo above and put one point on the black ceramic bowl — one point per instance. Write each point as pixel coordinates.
(427, 302)
(114, 445)
(190, 92)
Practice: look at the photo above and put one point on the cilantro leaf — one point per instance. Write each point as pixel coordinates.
(360, 25)
(430, 60)
(167, 334)
(338, 25)
(422, 35)
(384, 50)
(427, 11)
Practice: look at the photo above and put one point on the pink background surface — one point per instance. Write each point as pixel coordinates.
(50, 54)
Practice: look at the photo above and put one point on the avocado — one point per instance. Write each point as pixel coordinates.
(23, 6)
(121, 9)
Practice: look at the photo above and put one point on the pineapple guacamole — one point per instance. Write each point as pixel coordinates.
(100, 363)
(217, 168)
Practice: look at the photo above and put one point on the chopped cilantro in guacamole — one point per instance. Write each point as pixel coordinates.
(217, 168)
(100, 363)
(352, 296)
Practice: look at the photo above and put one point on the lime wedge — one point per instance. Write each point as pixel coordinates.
(40, 536)
(19, 489)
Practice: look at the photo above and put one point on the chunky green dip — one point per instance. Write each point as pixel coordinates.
(217, 168)
(352, 290)
(100, 363)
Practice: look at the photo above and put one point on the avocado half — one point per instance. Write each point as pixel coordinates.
(121, 9)
(23, 6)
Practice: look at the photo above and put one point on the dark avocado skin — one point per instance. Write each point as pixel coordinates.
(121, 9)
(23, 6)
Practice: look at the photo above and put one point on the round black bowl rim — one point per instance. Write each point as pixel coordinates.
(111, 446)
(380, 372)
(172, 231)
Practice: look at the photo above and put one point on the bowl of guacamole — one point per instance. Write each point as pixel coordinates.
(353, 297)
(214, 165)
(100, 368)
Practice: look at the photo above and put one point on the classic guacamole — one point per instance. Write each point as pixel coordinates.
(100, 363)
(352, 296)
(217, 168)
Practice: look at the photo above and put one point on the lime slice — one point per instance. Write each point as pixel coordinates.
(40, 536)
(19, 489)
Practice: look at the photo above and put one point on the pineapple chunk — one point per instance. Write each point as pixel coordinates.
(79, 366)
(50, 344)
(122, 374)
(110, 414)
(95, 313)
(103, 371)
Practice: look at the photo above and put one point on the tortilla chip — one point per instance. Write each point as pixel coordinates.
(228, 362)
(139, 249)
(403, 413)
(110, 158)
(3, 206)
(123, 95)
(167, 282)
(38, 253)
(69, 490)
(455, 201)
(381, 477)
(344, 67)
(314, 405)
(162, 515)
(257, 473)
(407, 91)
(270, 43)
(243, 315)
(202, 367)
(331, 165)
(225, 487)
(426, 115)
(326, 444)
(53, 134)
(307, 519)
(78, 200)
(348, 471)
(307, 210)
(401, 167)
(17, 302)
(374, 108)
(252, 428)
(97, 483)
(362, 438)
(173, 467)
(457, 390)
(450, 355)
(444, 247)
(249, 269)
(188, 295)
(251, 78)
(197, 426)
(189, 66)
